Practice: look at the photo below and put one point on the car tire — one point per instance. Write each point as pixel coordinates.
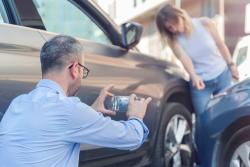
(168, 151)
(235, 150)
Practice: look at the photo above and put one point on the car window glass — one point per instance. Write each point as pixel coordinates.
(1, 19)
(242, 55)
(65, 18)
(3, 15)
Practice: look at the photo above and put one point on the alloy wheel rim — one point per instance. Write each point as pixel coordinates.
(241, 156)
(177, 142)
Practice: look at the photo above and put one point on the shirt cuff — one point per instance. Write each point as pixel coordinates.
(144, 127)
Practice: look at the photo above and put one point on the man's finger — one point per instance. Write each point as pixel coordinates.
(109, 112)
(109, 87)
(142, 100)
(132, 98)
(109, 94)
(149, 99)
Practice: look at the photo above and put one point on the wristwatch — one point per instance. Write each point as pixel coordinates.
(230, 64)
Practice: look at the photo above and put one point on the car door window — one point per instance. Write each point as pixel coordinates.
(242, 55)
(3, 15)
(1, 19)
(64, 17)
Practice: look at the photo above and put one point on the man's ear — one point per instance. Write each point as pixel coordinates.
(73, 71)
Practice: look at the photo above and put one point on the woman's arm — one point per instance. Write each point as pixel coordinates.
(188, 65)
(211, 27)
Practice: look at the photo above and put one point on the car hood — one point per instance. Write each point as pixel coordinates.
(236, 96)
(241, 86)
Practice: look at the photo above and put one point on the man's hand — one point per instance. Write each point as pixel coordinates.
(137, 106)
(98, 105)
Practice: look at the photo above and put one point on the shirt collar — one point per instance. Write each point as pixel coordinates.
(51, 85)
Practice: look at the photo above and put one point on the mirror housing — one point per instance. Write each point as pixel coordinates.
(131, 34)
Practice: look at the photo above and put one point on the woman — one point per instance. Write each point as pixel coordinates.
(198, 46)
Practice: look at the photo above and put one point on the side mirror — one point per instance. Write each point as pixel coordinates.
(131, 34)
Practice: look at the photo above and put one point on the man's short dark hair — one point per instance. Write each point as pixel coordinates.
(58, 52)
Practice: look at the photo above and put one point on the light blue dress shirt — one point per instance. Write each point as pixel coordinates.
(45, 128)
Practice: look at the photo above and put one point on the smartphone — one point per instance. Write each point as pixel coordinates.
(117, 103)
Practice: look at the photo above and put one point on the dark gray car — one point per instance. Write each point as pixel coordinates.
(111, 58)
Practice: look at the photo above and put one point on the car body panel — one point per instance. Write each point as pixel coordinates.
(20, 66)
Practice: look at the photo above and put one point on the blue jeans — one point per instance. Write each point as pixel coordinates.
(200, 98)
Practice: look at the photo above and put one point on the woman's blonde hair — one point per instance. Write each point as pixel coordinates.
(171, 13)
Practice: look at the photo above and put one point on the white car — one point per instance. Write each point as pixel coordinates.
(241, 57)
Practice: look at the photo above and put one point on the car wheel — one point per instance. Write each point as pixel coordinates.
(174, 140)
(236, 152)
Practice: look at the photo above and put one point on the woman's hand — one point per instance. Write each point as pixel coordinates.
(197, 82)
(98, 105)
(234, 72)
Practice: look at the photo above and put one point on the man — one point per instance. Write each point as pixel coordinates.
(45, 127)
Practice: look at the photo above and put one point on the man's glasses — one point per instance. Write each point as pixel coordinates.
(84, 69)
